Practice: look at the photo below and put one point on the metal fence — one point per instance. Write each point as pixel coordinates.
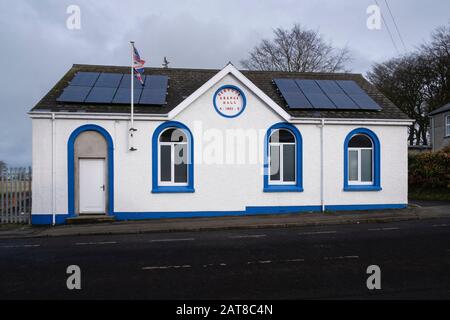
(15, 195)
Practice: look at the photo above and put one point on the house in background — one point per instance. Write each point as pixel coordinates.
(322, 142)
(440, 127)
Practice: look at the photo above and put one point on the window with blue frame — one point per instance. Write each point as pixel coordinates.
(172, 158)
(362, 161)
(283, 159)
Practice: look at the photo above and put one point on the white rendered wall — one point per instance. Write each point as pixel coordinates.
(394, 167)
(218, 187)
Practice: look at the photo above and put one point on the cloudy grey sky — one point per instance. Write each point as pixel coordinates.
(37, 48)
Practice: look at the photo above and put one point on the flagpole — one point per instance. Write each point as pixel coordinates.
(132, 87)
(132, 129)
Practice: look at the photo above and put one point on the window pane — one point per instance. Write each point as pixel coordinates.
(289, 162)
(172, 135)
(447, 127)
(180, 158)
(360, 141)
(282, 135)
(352, 165)
(165, 165)
(275, 163)
(366, 165)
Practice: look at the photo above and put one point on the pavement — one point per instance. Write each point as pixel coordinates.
(309, 262)
(416, 211)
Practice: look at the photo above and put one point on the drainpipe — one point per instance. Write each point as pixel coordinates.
(322, 200)
(53, 170)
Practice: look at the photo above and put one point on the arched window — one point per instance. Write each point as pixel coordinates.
(361, 161)
(172, 158)
(283, 159)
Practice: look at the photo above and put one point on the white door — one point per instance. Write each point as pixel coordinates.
(92, 185)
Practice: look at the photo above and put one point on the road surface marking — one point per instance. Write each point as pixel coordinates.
(247, 236)
(172, 240)
(317, 232)
(166, 267)
(94, 243)
(294, 260)
(440, 225)
(21, 246)
(341, 257)
(260, 262)
(214, 265)
(384, 229)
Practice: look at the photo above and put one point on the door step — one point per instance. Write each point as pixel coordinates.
(90, 219)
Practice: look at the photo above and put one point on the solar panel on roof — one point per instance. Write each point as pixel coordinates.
(153, 96)
(106, 87)
(126, 83)
(74, 94)
(350, 86)
(294, 98)
(123, 96)
(86, 79)
(325, 94)
(286, 85)
(358, 95)
(339, 98)
(101, 95)
(110, 80)
(156, 82)
(314, 94)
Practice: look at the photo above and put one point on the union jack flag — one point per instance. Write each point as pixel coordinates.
(138, 65)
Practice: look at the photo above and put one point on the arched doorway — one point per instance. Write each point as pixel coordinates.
(90, 161)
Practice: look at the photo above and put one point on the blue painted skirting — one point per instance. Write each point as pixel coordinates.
(365, 207)
(250, 210)
(48, 218)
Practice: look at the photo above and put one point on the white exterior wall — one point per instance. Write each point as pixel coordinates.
(218, 187)
(393, 162)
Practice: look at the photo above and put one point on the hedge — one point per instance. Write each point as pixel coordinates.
(429, 171)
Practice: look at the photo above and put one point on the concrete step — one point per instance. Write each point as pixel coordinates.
(92, 218)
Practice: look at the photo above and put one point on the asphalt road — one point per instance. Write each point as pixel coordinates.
(295, 263)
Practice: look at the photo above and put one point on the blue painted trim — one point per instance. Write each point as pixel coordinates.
(363, 207)
(376, 186)
(282, 188)
(298, 187)
(175, 214)
(229, 86)
(46, 219)
(164, 189)
(362, 188)
(280, 209)
(173, 189)
(249, 210)
(71, 166)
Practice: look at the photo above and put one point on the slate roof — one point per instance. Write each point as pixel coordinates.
(440, 110)
(184, 82)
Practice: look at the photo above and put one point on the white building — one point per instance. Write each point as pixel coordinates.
(221, 142)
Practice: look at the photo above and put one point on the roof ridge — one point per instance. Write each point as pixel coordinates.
(217, 70)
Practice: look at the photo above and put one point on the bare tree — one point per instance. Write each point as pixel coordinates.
(297, 49)
(402, 81)
(436, 56)
(418, 82)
